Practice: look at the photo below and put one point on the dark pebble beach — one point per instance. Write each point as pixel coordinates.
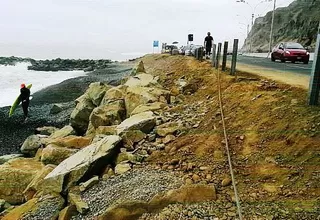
(13, 130)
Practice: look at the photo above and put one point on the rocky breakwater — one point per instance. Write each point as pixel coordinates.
(68, 65)
(11, 61)
(95, 167)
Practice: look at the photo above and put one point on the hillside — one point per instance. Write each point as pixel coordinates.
(297, 22)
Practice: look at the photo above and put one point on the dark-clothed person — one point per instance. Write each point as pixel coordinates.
(208, 42)
(24, 96)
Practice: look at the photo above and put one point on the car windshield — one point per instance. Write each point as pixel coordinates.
(294, 46)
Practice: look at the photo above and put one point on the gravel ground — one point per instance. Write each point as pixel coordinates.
(138, 185)
(45, 211)
(224, 210)
(13, 131)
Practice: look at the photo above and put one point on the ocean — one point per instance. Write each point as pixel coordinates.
(13, 76)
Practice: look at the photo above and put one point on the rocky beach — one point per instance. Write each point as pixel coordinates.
(147, 143)
(13, 131)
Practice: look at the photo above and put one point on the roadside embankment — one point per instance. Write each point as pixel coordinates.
(153, 148)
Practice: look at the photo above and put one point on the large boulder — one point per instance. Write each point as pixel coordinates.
(131, 137)
(144, 122)
(46, 207)
(54, 154)
(96, 92)
(80, 116)
(16, 175)
(142, 79)
(148, 107)
(138, 95)
(32, 144)
(139, 68)
(110, 114)
(86, 162)
(63, 132)
(115, 93)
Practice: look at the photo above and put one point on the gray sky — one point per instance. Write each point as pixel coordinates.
(117, 29)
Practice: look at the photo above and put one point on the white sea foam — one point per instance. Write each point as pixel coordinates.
(12, 76)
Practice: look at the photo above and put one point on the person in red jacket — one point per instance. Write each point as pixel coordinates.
(24, 96)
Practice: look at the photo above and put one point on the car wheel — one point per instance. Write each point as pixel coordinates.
(293, 61)
(272, 58)
(306, 61)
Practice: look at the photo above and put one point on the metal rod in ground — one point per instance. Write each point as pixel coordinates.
(224, 57)
(213, 54)
(314, 86)
(234, 57)
(218, 55)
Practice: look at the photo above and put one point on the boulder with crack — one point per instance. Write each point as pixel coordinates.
(85, 163)
(110, 114)
(115, 93)
(144, 122)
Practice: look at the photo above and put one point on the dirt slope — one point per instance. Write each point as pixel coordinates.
(274, 139)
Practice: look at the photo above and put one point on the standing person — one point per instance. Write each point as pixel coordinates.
(208, 42)
(24, 96)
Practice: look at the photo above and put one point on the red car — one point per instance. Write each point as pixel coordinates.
(290, 51)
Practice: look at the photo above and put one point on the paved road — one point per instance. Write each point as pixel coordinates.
(267, 63)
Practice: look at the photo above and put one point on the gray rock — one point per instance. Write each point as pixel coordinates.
(32, 144)
(148, 107)
(63, 132)
(56, 108)
(46, 130)
(86, 162)
(122, 168)
(144, 122)
(142, 79)
(80, 116)
(86, 185)
(82, 207)
(110, 114)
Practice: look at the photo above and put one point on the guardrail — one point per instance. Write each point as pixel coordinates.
(216, 55)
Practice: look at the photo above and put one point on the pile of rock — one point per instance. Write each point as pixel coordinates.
(112, 129)
(68, 65)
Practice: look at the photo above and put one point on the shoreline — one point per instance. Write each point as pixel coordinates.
(13, 131)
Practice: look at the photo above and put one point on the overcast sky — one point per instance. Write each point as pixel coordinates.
(117, 29)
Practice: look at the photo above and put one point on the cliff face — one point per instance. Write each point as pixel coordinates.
(298, 22)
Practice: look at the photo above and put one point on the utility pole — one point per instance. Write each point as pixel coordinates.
(271, 31)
